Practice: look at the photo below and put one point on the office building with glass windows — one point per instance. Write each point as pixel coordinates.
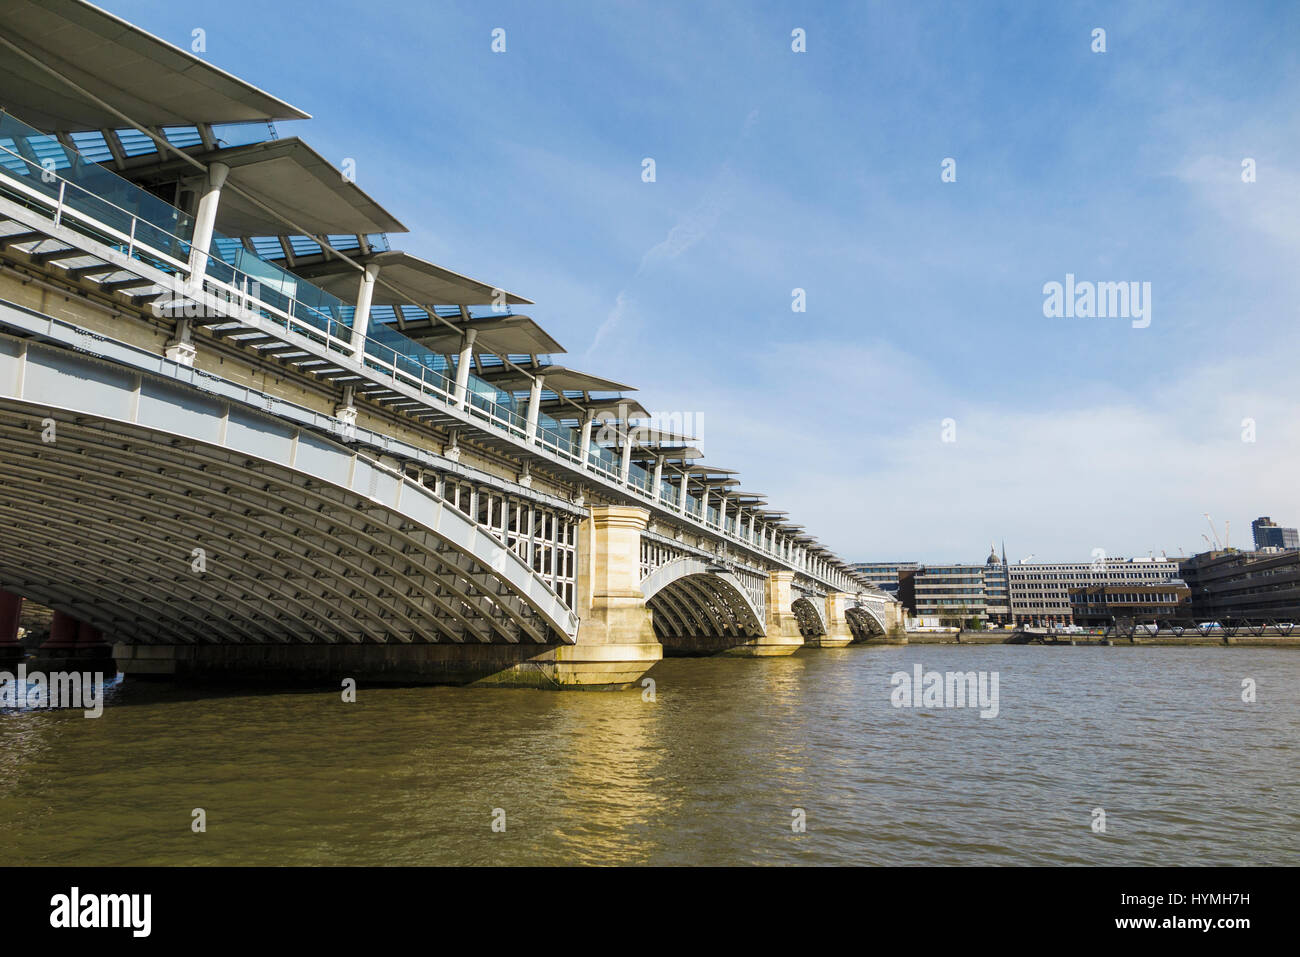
(1269, 534)
(1040, 593)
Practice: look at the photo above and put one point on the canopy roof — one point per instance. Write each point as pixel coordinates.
(673, 453)
(495, 335)
(148, 79)
(417, 280)
(616, 405)
(288, 176)
(643, 435)
(556, 378)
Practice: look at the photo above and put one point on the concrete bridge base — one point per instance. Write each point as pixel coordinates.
(616, 637)
(828, 641)
(581, 668)
(563, 666)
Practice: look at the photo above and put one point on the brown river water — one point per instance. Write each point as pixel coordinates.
(718, 769)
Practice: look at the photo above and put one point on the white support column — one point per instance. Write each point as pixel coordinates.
(463, 363)
(626, 464)
(588, 418)
(534, 406)
(681, 496)
(205, 221)
(722, 512)
(361, 317)
(704, 506)
(659, 475)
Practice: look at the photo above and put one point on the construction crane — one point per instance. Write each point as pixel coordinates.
(1215, 532)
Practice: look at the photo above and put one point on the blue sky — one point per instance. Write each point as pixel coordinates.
(821, 171)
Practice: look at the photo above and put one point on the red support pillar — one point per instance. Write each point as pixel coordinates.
(74, 646)
(88, 636)
(64, 630)
(11, 613)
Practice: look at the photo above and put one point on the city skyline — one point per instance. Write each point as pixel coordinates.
(1244, 542)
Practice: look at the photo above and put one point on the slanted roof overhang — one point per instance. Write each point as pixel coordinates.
(494, 335)
(642, 436)
(148, 79)
(415, 280)
(714, 485)
(617, 405)
(557, 378)
(672, 455)
(286, 175)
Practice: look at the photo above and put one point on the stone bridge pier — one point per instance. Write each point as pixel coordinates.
(616, 641)
(837, 632)
(782, 635)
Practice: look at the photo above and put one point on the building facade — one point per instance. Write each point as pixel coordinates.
(1040, 593)
(1255, 586)
(1269, 534)
(997, 589)
(1100, 605)
(951, 594)
(884, 575)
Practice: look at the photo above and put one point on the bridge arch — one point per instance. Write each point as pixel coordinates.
(111, 481)
(864, 622)
(699, 608)
(811, 618)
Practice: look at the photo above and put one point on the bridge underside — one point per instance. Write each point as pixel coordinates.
(702, 614)
(863, 625)
(199, 557)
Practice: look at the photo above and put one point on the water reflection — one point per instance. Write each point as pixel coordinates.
(709, 772)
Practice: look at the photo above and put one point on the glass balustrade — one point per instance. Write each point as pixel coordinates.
(98, 201)
(667, 493)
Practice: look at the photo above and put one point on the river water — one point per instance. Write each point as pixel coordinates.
(717, 769)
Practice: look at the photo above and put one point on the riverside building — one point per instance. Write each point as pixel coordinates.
(951, 595)
(1098, 605)
(883, 575)
(1040, 593)
(1255, 586)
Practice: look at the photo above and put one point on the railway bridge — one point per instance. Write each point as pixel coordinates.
(243, 437)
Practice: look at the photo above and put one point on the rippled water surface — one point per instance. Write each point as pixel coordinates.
(709, 772)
